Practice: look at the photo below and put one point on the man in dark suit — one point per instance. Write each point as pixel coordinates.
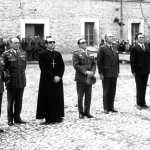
(85, 67)
(1, 84)
(108, 68)
(140, 69)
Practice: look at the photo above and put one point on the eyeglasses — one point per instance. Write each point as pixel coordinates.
(141, 37)
(82, 42)
(51, 42)
(16, 43)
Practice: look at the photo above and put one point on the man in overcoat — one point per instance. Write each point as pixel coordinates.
(1, 83)
(108, 68)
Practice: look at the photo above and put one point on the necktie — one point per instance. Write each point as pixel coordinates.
(111, 47)
(143, 47)
(86, 52)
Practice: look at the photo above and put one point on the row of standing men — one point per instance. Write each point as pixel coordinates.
(108, 69)
(50, 104)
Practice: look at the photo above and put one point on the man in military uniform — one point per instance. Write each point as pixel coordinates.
(15, 80)
(85, 67)
(108, 68)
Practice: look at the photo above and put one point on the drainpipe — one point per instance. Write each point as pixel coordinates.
(121, 19)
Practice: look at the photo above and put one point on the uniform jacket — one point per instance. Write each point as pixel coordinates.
(108, 62)
(139, 59)
(15, 65)
(83, 62)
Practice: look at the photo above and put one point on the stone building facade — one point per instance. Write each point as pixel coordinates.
(68, 20)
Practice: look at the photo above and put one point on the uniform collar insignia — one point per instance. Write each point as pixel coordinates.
(13, 51)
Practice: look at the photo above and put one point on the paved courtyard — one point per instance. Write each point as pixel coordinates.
(127, 130)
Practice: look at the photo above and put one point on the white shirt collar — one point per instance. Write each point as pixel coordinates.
(141, 44)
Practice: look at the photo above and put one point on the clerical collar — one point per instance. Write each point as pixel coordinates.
(50, 50)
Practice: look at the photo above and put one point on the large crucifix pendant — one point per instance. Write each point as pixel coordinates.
(53, 63)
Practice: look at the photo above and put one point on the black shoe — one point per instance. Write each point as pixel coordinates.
(10, 123)
(89, 116)
(59, 120)
(1, 131)
(140, 107)
(145, 107)
(55, 121)
(106, 112)
(81, 115)
(113, 111)
(20, 121)
(44, 123)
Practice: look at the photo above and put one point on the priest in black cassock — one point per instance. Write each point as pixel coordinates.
(50, 104)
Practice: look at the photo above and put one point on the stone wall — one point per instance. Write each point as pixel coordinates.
(65, 17)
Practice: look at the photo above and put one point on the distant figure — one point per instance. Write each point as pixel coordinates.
(122, 47)
(139, 58)
(2, 46)
(50, 104)
(102, 42)
(18, 37)
(85, 67)
(127, 46)
(108, 68)
(15, 80)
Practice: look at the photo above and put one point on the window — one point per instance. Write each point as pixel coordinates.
(134, 30)
(89, 33)
(32, 30)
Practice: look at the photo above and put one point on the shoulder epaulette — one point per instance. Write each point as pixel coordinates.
(78, 51)
(102, 46)
(6, 52)
(9, 50)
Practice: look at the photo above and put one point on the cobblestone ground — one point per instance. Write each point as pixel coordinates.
(127, 130)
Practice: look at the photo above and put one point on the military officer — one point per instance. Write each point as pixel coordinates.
(108, 68)
(85, 67)
(15, 80)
